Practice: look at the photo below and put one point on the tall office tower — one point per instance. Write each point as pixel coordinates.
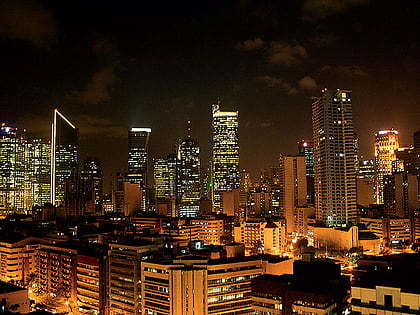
(138, 148)
(64, 140)
(37, 174)
(386, 145)
(292, 187)
(12, 168)
(138, 151)
(164, 176)
(225, 154)
(188, 176)
(91, 179)
(306, 148)
(334, 158)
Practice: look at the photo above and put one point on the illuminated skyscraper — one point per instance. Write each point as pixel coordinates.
(12, 167)
(188, 176)
(64, 139)
(334, 158)
(164, 176)
(225, 154)
(37, 173)
(138, 149)
(306, 148)
(386, 145)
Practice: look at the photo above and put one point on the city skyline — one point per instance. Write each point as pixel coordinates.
(158, 66)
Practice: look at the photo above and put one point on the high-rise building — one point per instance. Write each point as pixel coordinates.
(37, 173)
(138, 149)
(91, 178)
(406, 160)
(64, 138)
(12, 168)
(386, 145)
(164, 176)
(306, 148)
(292, 186)
(334, 157)
(400, 193)
(188, 176)
(365, 183)
(225, 154)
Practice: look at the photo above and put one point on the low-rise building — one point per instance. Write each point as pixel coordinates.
(13, 298)
(314, 288)
(387, 285)
(193, 285)
(262, 236)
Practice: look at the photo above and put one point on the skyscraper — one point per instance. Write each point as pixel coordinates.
(138, 151)
(12, 167)
(386, 145)
(138, 148)
(334, 157)
(188, 176)
(164, 176)
(64, 140)
(225, 154)
(37, 173)
(306, 148)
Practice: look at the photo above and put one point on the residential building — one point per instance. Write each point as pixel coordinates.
(387, 285)
(261, 236)
(193, 285)
(334, 158)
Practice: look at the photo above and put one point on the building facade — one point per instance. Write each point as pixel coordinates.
(386, 145)
(189, 176)
(225, 164)
(334, 158)
(64, 156)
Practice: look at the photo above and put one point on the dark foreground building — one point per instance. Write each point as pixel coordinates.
(314, 288)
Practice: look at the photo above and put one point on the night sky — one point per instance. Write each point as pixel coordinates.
(112, 65)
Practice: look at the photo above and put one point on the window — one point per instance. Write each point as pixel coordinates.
(388, 300)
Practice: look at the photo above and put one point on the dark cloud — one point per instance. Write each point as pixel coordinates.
(322, 40)
(319, 9)
(285, 54)
(29, 21)
(250, 44)
(272, 82)
(98, 88)
(89, 125)
(351, 71)
(307, 83)
(101, 83)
